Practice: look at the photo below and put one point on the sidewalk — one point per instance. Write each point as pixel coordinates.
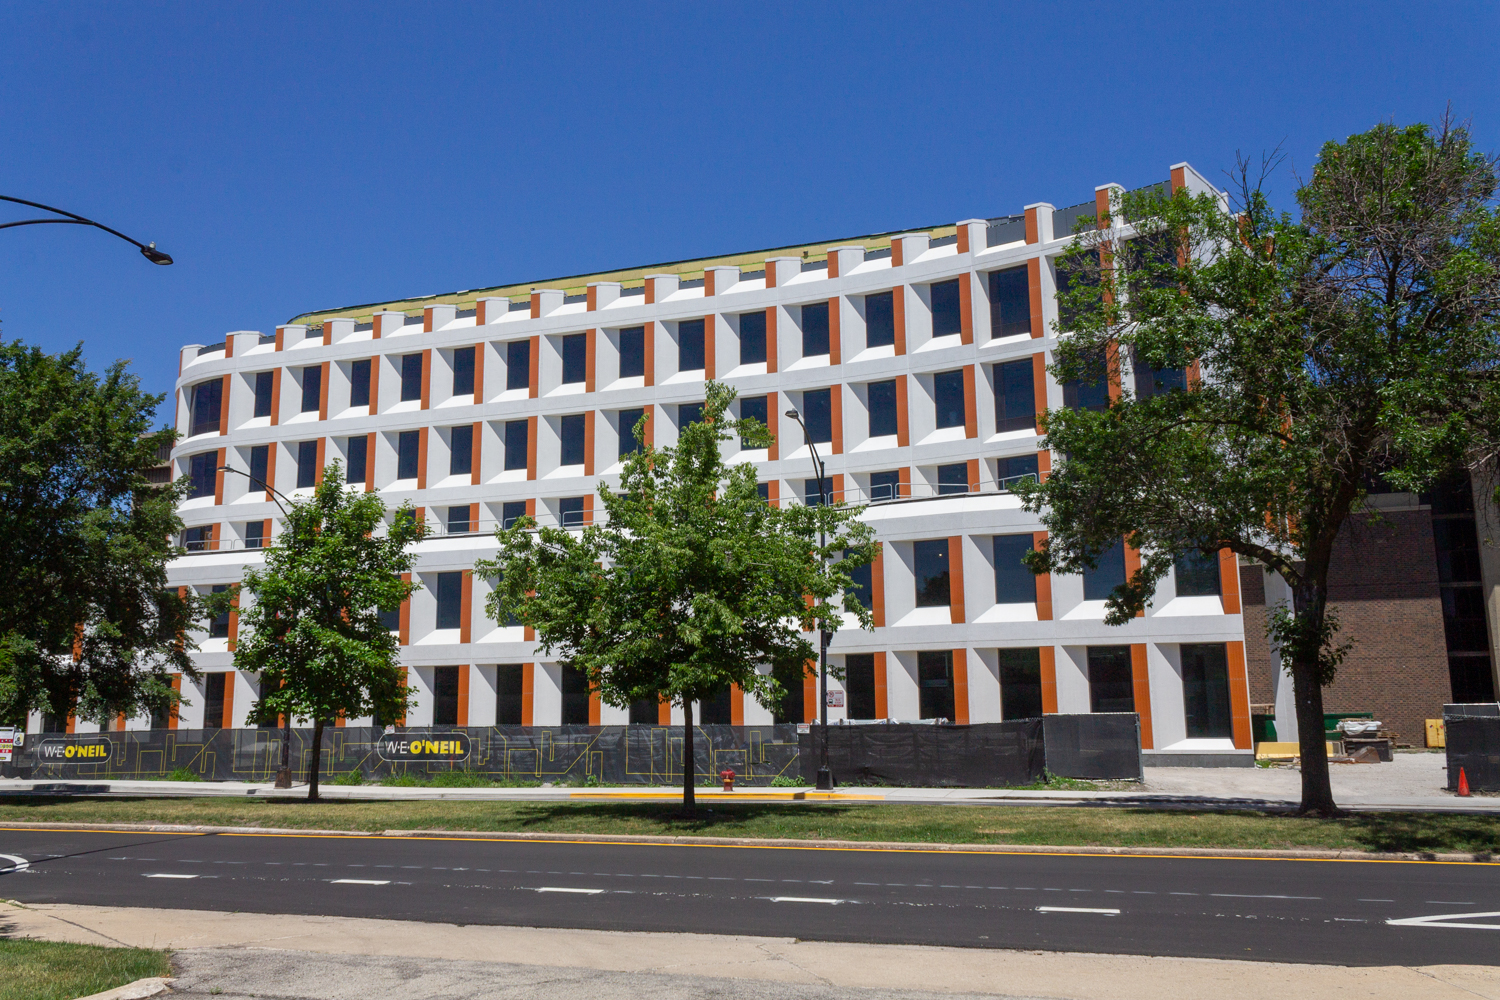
(240, 954)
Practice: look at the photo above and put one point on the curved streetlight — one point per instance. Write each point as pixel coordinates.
(148, 250)
(825, 775)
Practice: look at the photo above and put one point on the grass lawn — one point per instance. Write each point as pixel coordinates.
(46, 970)
(962, 824)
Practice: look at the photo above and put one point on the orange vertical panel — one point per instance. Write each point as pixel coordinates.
(772, 340)
(275, 396)
(476, 447)
(903, 436)
(318, 472)
(536, 365)
(773, 492)
(590, 339)
(773, 416)
(836, 417)
(956, 578)
(234, 620)
(664, 712)
(1039, 386)
(903, 481)
(1033, 230)
(877, 587)
(280, 338)
(965, 303)
(1141, 684)
(710, 338)
(1229, 581)
(224, 397)
(1239, 696)
(650, 432)
(531, 447)
(219, 478)
(226, 720)
(835, 324)
(898, 315)
(971, 413)
(323, 391)
(810, 692)
(1043, 583)
(1048, 657)
(591, 298)
(1112, 373)
(974, 482)
(466, 609)
(270, 482)
(404, 620)
(426, 378)
(176, 689)
(736, 705)
(463, 687)
(588, 443)
(588, 508)
(1132, 564)
(479, 373)
(536, 306)
(370, 462)
(1034, 287)
(882, 707)
(648, 348)
(422, 458)
(528, 693)
(374, 387)
(961, 687)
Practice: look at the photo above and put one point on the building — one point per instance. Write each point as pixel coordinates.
(918, 362)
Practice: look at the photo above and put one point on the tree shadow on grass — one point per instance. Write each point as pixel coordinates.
(718, 820)
(1423, 832)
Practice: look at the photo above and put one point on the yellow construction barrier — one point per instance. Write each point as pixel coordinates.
(1285, 751)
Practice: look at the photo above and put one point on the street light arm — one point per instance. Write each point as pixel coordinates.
(149, 251)
(256, 479)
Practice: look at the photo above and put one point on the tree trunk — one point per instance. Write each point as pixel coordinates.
(1310, 602)
(316, 764)
(689, 772)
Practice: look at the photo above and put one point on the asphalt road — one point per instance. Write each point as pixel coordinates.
(1272, 910)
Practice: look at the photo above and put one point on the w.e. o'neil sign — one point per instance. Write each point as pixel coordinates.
(423, 746)
(94, 750)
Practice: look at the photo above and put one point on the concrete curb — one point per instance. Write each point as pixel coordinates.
(138, 990)
(1484, 858)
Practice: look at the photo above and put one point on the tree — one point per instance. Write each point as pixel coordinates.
(86, 622)
(1357, 342)
(692, 584)
(314, 631)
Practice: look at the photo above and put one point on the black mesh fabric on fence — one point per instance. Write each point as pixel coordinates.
(1101, 745)
(978, 756)
(1474, 745)
(612, 755)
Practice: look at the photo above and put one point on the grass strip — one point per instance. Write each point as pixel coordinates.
(48, 970)
(914, 823)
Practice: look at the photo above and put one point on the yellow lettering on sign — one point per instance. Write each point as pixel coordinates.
(68, 752)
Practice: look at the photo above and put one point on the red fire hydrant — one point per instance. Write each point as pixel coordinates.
(728, 777)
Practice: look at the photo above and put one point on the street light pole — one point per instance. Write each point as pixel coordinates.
(148, 250)
(825, 774)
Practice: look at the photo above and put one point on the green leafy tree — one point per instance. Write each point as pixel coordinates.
(1355, 342)
(693, 582)
(313, 629)
(87, 624)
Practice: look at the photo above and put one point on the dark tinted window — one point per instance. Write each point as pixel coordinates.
(214, 686)
(1014, 583)
(1020, 684)
(814, 329)
(255, 534)
(517, 365)
(1205, 691)
(307, 464)
(575, 358)
(813, 491)
(1098, 583)
(516, 435)
(390, 618)
(263, 383)
(817, 414)
(885, 485)
(790, 707)
(628, 419)
(575, 697)
(449, 592)
(312, 388)
(935, 677)
(202, 474)
(463, 371)
(953, 478)
(411, 377)
(1091, 392)
(406, 454)
(931, 558)
(644, 712)
(1010, 302)
(570, 511)
(461, 450)
(359, 383)
(218, 628)
(260, 460)
(1197, 574)
(203, 407)
(445, 695)
(689, 413)
(510, 686)
(880, 319)
(861, 585)
(755, 408)
(690, 345)
(358, 459)
(572, 439)
(752, 338)
(859, 685)
(1015, 468)
(1015, 396)
(1110, 687)
(945, 308)
(510, 510)
(948, 395)
(1068, 280)
(199, 539)
(716, 709)
(1157, 381)
(882, 399)
(633, 352)
(459, 521)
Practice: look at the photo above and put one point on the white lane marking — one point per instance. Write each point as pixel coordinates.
(557, 888)
(1236, 895)
(1447, 920)
(170, 875)
(360, 881)
(1374, 900)
(806, 899)
(1077, 909)
(17, 863)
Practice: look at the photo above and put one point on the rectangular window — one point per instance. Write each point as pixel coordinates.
(517, 436)
(753, 338)
(511, 511)
(255, 534)
(358, 448)
(859, 685)
(643, 712)
(885, 485)
(1014, 469)
(812, 492)
(931, 572)
(935, 677)
(764, 491)
(1098, 583)
(449, 591)
(411, 377)
(1110, 685)
(463, 371)
(1197, 574)
(359, 383)
(575, 358)
(814, 329)
(817, 414)
(633, 352)
(307, 464)
(945, 308)
(570, 433)
(789, 707)
(390, 618)
(1010, 302)
(688, 413)
(570, 512)
(203, 407)
(407, 454)
(1015, 397)
(755, 408)
(459, 521)
(518, 365)
(445, 695)
(715, 710)
(1020, 684)
(953, 479)
(882, 399)
(628, 419)
(203, 474)
(575, 697)
(1070, 280)
(219, 627)
(263, 383)
(312, 388)
(880, 319)
(1205, 691)
(948, 397)
(510, 686)
(260, 462)
(198, 539)
(690, 345)
(1158, 381)
(214, 686)
(1014, 583)
(461, 450)
(1081, 394)
(860, 585)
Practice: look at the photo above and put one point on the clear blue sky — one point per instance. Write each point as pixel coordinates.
(303, 156)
